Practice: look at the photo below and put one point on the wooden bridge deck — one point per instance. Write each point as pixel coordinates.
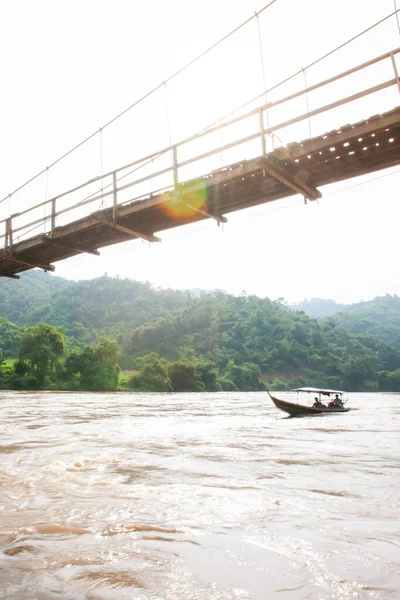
(301, 168)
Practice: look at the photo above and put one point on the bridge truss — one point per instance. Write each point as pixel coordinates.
(170, 187)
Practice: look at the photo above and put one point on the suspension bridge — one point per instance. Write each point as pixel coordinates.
(154, 193)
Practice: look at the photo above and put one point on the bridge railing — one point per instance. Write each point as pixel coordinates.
(164, 171)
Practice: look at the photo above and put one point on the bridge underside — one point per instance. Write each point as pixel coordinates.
(299, 168)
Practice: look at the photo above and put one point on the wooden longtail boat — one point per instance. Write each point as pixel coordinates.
(295, 409)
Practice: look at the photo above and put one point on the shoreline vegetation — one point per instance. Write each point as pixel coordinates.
(44, 363)
(109, 334)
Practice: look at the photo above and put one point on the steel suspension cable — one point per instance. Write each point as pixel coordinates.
(397, 15)
(312, 64)
(266, 91)
(144, 97)
(321, 58)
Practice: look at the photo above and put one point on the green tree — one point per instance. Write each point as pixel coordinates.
(42, 346)
(389, 381)
(209, 376)
(246, 377)
(108, 352)
(94, 367)
(83, 371)
(185, 377)
(10, 337)
(152, 375)
(21, 367)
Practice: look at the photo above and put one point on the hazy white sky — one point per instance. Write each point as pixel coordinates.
(68, 67)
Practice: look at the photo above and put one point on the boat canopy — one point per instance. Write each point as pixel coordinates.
(311, 390)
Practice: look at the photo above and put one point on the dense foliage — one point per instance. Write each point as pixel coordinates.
(319, 307)
(78, 335)
(379, 318)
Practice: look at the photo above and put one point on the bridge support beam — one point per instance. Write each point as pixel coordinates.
(131, 232)
(199, 188)
(219, 219)
(27, 263)
(290, 180)
(55, 242)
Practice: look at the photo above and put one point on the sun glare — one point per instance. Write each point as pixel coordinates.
(185, 202)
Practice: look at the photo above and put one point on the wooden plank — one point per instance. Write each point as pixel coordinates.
(34, 265)
(237, 186)
(289, 181)
(208, 215)
(49, 240)
(358, 130)
(230, 122)
(144, 236)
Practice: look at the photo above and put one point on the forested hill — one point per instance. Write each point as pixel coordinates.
(243, 338)
(19, 297)
(84, 308)
(379, 317)
(319, 307)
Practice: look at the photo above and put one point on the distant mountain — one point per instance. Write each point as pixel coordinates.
(19, 297)
(379, 318)
(318, 308)
(86, 308)
(356, 349)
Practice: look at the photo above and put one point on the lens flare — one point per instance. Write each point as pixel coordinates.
(186, 201)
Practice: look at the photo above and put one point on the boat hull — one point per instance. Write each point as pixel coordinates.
(299, 410)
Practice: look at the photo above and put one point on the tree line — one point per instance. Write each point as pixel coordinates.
(45, 362)
(108, 334)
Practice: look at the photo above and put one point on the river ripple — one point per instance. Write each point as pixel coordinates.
(197, 496)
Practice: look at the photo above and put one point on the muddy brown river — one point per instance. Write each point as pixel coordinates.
(197, 496)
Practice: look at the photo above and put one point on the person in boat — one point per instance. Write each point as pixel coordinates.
(318, 403)
(336, 402)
